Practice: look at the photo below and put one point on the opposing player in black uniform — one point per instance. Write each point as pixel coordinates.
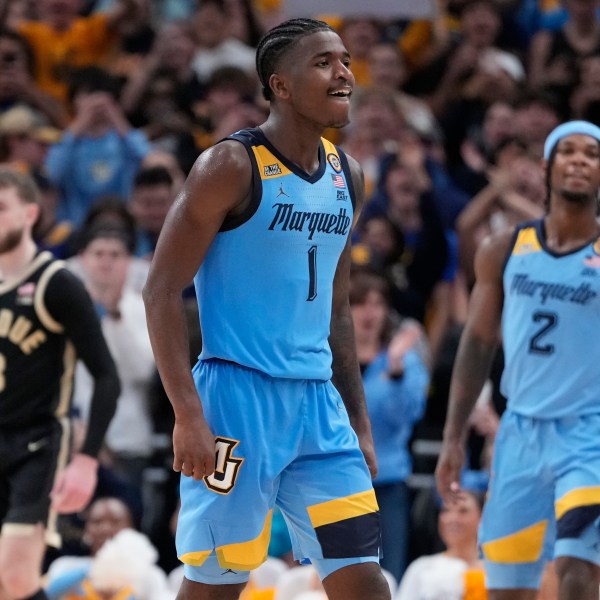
(47, 321)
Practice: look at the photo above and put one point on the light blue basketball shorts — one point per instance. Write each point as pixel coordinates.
(278, 441)
(544, 498)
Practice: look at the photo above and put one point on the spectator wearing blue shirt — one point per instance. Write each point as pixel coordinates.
(99, 153)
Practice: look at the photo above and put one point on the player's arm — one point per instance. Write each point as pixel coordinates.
(70, 305)
(346, 371)
(218, 184)
(476, 349)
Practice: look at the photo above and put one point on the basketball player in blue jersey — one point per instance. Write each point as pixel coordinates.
(540, 284)
(274, 412)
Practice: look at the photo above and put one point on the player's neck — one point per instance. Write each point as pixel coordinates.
(297, 144)
(14, 262)
(568, 227)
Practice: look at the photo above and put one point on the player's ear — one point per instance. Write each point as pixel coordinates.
(33, 212)
(279, 87)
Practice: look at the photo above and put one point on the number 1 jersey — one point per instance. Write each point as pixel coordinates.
(265, 287)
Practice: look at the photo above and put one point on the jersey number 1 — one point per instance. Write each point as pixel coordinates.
(312, 274)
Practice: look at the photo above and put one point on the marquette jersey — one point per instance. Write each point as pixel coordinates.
(265, 286)
(551, 315)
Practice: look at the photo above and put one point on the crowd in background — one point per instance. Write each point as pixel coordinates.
(107, 104)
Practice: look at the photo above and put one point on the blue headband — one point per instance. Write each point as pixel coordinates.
(569, 128)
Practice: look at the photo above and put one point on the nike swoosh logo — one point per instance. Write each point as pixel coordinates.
(35, 446)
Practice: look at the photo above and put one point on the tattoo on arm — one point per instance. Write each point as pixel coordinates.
(346, 373)
(471, 370)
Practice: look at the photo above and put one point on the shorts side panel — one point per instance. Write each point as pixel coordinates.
(578, 488)
(518, 528)
(327, 495)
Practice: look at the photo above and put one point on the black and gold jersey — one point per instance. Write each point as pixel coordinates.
(47, 321)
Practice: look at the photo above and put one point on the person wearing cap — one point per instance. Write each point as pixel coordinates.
(25, 137)
(537, 290)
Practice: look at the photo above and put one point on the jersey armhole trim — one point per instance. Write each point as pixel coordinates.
(348, 174)
(39, 303)
(255, 195)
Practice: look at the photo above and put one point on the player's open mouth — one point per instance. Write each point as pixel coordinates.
(342, 93)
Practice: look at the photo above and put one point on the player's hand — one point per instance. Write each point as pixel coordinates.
(75, 485)
(193, 448)
(448, 469)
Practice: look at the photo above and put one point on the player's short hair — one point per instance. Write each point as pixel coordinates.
(24, 184)
(276, 42)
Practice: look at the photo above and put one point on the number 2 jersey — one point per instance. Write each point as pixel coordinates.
(550, 327)
(265, 286)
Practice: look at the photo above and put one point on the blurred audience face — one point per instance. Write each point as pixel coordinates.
(105, 261)
(225, 96)
(529, 178)
(458, 522)
(13, 66)
(379, 235)
(177, 46)
(480, 24)
(59, 13)
(27, 148)
(369, 315)
(106, 517)
(386, 66)
(160, 158)
(150, 204)
(161, 97)
(376, 112)
(210, 24)
(404, 199)
(359, 36)
(534, 121)
(498, 123)
(19, 11)
(369, 306)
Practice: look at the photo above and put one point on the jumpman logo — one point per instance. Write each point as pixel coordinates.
(281, 192)
(229, 571)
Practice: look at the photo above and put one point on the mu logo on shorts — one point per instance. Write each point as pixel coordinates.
(226, 466)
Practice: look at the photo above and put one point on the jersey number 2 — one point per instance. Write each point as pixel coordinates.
(548, 321)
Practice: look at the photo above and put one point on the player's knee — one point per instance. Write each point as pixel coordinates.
(574, 573)
(18, 580)
(378, 588)
(357, 582)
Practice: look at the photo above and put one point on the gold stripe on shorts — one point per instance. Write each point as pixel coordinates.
(520, 547)
(340, 509)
